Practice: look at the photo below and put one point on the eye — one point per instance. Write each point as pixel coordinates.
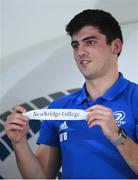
(91, 42)
(74, 46)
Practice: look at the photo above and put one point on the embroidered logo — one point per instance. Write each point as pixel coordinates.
(63, 126)
(63, 136)
(119, 117)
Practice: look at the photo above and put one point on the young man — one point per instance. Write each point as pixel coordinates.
(104, 146)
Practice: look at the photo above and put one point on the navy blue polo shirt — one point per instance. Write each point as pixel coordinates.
(86, 152)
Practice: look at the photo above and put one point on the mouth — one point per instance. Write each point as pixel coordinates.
(85, 62)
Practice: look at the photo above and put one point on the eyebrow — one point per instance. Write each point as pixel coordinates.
(85, 39)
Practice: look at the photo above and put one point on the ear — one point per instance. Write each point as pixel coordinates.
(116, 46)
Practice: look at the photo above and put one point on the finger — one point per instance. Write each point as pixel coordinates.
(15, 127)
(100, 107)
(17, 116)
(21, 116)
(94, 123)
(94, 118)
(18, 122)
(19, 109)
(104, 114)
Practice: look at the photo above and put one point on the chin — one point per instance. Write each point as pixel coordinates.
(89, 76)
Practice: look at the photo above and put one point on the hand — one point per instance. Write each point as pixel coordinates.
(103, 116)
(16, 125)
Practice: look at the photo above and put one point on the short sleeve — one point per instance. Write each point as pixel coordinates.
(47, 134)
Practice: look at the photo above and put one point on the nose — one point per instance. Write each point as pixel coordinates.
(82, 51)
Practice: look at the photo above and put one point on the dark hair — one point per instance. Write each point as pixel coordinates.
(102, 20)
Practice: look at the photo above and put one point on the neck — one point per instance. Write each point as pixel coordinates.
(97, 87)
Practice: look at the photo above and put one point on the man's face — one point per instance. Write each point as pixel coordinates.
(91, 52)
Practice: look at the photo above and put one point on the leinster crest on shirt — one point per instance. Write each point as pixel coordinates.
(119, 117)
